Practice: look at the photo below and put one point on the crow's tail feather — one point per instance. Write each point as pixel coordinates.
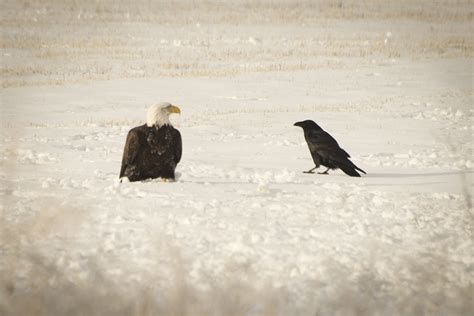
(351, 164)
(357, 168)
(349, 171)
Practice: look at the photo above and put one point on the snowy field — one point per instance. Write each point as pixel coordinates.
(242, 231)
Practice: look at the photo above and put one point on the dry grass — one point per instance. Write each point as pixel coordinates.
(57, 42)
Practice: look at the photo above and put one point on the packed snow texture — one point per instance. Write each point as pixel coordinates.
(242, 231)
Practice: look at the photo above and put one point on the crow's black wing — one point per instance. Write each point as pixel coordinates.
(321, 138)
(324, 144)
(327, 148)
(328, 140)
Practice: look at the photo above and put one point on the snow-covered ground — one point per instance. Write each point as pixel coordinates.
(242, 231)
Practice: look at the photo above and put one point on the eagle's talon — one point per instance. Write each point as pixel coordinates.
(166, 180)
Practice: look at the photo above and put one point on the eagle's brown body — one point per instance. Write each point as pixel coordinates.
(151, 152)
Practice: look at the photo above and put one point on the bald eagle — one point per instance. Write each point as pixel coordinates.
(152, 150)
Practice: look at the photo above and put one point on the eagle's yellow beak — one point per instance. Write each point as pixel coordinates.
(174, 109)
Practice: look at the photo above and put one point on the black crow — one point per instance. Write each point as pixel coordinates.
(326, 151)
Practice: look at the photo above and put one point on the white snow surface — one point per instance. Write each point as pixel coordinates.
(241, 211)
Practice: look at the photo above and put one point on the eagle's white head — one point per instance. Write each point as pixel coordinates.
(159, 114)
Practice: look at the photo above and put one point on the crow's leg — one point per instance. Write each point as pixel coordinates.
(311, 170)
(325, 172)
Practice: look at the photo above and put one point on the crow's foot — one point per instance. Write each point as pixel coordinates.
(324, 172)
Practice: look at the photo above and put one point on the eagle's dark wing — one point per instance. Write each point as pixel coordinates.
(131, 150)
(178, 146)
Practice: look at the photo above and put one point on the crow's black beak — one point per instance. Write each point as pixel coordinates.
(297, 124)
